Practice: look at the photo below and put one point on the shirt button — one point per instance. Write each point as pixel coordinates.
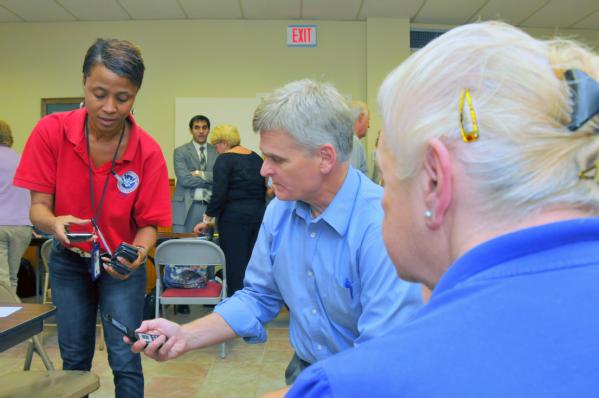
(313, 311)
(312, 234)
(310, 273)
(319, 347)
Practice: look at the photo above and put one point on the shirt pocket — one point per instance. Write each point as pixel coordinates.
(342, 299)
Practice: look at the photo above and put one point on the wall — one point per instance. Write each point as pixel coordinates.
(387, 45)
(183, 59)
(202, 59)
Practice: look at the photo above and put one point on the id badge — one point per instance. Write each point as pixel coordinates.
(94, 262)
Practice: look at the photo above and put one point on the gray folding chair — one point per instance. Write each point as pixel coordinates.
(190, 252)
(52, 383)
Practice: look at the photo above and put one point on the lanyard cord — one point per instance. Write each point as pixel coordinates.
(89, 168)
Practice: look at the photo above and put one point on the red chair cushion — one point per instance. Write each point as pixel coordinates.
(212, 289)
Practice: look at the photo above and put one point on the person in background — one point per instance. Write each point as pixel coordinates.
(15, 227)
(361, 116)
(376, 177)
(318, 251)
(95, 170)
(194, 162)
(487, 123)
(238, 202)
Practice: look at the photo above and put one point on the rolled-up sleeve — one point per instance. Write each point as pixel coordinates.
(260, 301)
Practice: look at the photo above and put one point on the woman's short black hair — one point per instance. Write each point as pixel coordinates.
(119, 56)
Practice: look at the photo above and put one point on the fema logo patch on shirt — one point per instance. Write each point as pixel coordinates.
(128, 182)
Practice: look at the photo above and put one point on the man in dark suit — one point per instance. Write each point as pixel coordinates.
(193, 168)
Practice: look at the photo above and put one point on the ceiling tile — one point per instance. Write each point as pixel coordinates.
(511, 11)
(331, 9)
(95, 10)
(453, 12)
(153, 9)
(390, 9)
(269, 9)
(547, 14)
(211, 9)
(561, 14)
(38, 10)
(590, 22)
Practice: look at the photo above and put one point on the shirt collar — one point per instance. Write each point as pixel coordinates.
(197, 146)
(518, 244)
(133, 140)
(74, 127)
(339, 212)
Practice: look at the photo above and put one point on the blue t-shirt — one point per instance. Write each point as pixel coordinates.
(513, 317)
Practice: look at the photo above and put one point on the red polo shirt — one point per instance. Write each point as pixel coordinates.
(55, 161)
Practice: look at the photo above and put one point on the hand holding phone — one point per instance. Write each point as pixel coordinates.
(148, 338)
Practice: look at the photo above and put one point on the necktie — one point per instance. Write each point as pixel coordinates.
(202, 159)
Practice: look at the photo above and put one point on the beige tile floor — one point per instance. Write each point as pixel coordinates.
(248, 371)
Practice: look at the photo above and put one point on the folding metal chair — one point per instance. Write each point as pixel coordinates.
(190, 252)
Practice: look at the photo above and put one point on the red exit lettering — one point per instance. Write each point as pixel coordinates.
(300, 35)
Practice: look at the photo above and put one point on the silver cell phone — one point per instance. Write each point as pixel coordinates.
(79, 236)
(133, 336)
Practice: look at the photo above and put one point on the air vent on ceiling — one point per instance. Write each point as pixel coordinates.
(420, 37)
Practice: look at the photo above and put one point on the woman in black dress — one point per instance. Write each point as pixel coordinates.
(238, 201)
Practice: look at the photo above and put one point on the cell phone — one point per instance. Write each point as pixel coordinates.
(148, 338)
(128, 252)
(79, 236)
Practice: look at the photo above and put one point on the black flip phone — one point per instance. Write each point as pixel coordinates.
(148, 338)
(126, 251)
(79, 236)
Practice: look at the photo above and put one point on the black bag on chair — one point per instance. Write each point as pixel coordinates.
(26, 276)
(150, 305)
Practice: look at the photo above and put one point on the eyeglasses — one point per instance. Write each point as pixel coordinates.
(472, 135)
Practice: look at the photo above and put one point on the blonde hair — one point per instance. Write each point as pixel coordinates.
(6, 138)
(227, 133)
(358, 108)
(525, 158)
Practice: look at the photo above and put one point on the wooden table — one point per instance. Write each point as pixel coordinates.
(23, 324)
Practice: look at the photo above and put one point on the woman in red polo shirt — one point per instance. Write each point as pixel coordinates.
(95, 170)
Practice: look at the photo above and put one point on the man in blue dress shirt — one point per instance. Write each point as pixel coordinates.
(319, 250)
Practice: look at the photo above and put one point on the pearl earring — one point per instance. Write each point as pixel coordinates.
(428, 214)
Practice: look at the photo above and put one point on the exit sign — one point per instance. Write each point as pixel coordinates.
(301, 36)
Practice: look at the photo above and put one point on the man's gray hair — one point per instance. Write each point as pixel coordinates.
(313, 113)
